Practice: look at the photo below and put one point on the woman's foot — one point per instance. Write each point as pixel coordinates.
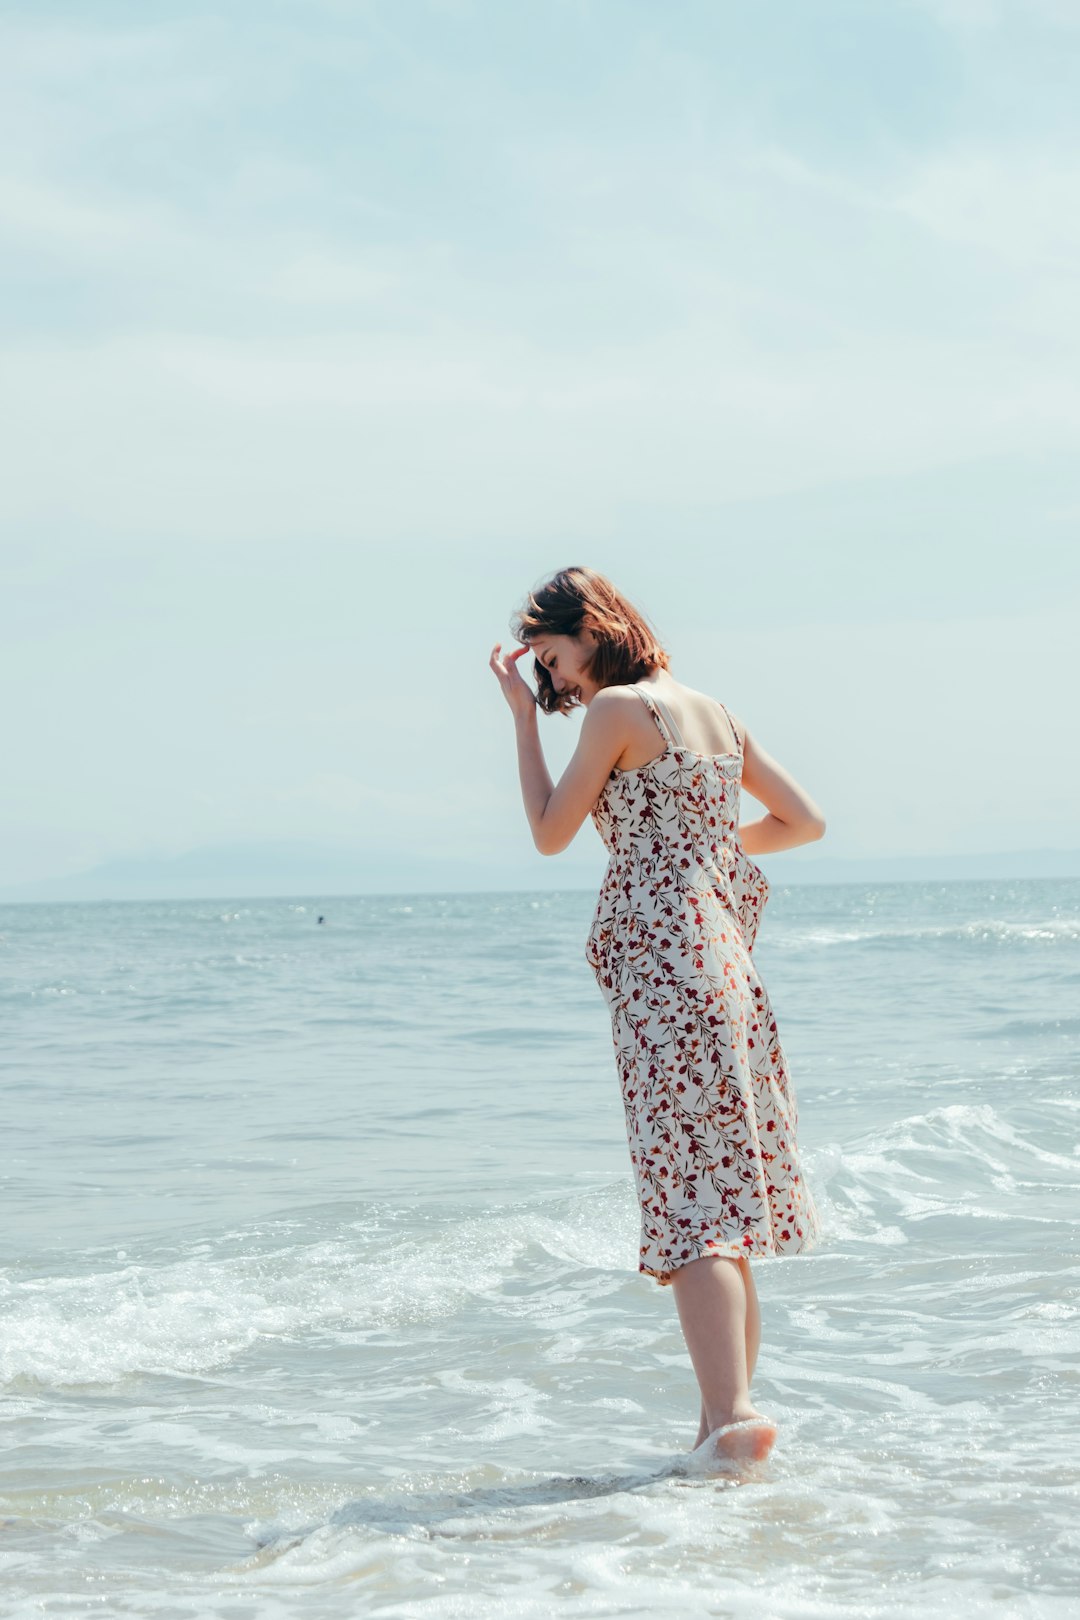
(745, 1409)
(747, 1440)
(746, 1436)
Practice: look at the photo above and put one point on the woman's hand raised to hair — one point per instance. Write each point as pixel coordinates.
(516, 690)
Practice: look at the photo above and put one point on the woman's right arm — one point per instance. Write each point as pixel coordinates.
(793, 817)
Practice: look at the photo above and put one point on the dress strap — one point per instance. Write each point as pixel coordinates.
(731, 723)
(676, 734)
(668, 729)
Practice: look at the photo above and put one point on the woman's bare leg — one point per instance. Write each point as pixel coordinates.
(753, 1339)
(753, 1320)
(721, 1321)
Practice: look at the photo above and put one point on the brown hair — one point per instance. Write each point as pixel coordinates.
(577, 599)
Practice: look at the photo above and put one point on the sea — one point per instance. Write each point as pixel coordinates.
(320, 1292)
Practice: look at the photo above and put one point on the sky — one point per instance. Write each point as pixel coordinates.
(328, 329)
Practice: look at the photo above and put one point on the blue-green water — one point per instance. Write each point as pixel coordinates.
(320, 1293)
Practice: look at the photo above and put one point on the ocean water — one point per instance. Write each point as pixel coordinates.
(319, 1280)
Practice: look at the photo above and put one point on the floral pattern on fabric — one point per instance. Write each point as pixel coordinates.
(711, 1115)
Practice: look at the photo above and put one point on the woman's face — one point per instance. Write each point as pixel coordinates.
(565, 657)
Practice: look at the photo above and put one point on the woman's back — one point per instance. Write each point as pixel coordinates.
(699, 723)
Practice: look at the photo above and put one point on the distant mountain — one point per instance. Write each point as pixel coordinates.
(288, 869)
(292, 869)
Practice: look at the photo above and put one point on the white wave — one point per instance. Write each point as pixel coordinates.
(198, 1312)
(964, 1160)
(996, 930)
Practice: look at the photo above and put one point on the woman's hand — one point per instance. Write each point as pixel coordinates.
(516, 690)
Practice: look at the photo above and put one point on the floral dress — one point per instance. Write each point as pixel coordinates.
(711, 1114)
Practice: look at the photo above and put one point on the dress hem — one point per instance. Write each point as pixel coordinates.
(730, 1251)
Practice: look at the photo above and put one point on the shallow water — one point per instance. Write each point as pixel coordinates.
(320, 1291)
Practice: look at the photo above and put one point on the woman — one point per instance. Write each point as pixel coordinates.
(710, 1109)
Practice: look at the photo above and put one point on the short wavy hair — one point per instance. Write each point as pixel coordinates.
(577, 599)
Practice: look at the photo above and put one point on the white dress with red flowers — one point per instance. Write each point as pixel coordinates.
(711, 1115)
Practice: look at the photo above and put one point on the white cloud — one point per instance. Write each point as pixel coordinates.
(1019, 206)
(402, 437)
(326, 279)
(40, 214)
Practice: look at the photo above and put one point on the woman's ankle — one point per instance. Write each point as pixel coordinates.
(739, 1410)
